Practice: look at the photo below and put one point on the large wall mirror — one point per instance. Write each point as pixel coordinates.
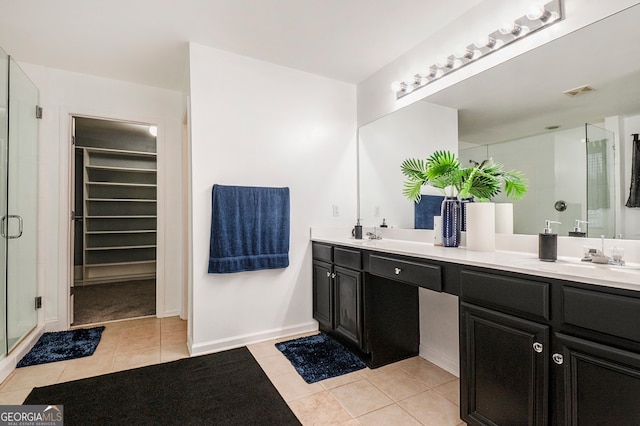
(575, 149)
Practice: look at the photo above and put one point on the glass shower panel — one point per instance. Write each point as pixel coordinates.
(4, 134)
(600, 182)
(21, 221)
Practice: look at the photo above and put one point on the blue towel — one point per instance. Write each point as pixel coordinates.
(424, 211)
(249, 229)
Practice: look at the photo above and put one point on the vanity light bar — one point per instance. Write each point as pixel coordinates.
(540, 17)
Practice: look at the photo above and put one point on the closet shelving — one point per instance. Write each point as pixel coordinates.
(119, 214)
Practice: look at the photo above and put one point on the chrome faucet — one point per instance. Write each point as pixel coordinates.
(374, 235)
(596, 256)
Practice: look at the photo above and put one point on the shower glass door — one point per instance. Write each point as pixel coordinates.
(21, 215)
(4, 134)
(600, 182)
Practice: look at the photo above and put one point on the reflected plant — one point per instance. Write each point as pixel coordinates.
(442, 171)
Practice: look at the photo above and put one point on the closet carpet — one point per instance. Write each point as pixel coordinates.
(114, 301)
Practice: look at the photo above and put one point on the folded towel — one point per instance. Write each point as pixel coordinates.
(249, 229)
(424, 211)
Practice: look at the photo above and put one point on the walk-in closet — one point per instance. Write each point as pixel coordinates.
(115, 211)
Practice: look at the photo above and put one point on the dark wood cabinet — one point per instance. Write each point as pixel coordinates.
(600, 383)
(505, 370)
(373, 315)
(323, 293)
(337, 293)
(348, 305)
(537, 351)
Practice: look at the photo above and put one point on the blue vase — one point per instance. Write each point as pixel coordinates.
(451, 222)
(463, 209)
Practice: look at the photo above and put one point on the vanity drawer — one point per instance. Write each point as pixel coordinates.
(513, 294)
(322, 252)
(347, 258)
(599, 311)
(420, 274)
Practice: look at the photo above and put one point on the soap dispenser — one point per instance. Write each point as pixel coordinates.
(357, 231)
(548, 243)
(577, 230)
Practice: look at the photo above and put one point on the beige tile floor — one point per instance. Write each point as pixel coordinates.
(410, 392)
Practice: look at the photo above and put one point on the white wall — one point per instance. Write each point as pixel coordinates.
(420, 129)
(63, 93)
(375, 98)
(258, 124)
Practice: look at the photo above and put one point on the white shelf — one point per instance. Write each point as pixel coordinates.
(105, 265)
(123, 217)
(134, 231)
(132, 200)
(119, 247)
(121, 152)
(116, 249)
(122, 169)
(142, 185)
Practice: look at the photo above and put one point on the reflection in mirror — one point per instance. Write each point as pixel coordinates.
(520, 98)
(555, 165)
(414, 131)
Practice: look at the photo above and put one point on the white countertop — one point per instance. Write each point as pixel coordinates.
(565, 268)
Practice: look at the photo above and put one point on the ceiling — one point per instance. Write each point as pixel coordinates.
(145, 41)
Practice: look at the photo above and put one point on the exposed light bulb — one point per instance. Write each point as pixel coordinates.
(511, 28)
(445, 63)
(153, 130)
(464, 52)
(537, 17)
(485, 41)
(536, 12)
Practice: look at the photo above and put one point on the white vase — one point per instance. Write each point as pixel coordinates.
(504, 218)
(481, 226)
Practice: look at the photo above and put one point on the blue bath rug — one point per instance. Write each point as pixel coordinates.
(319, 357)
(62, 346)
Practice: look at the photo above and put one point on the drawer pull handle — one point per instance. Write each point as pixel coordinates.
(557, 358)
(398, 270)
(537, 346)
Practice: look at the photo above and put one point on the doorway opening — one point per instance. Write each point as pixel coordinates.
(114, 214)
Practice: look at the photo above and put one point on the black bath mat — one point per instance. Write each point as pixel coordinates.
(319, 357)
(63, 345)
(225, 388)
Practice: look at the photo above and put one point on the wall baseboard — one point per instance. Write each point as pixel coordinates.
(441, 360)
(8, 364)
(247, 339)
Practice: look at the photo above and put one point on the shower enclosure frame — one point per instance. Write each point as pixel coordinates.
(19, 113)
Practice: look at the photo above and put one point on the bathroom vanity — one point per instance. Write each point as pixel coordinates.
(539, 344)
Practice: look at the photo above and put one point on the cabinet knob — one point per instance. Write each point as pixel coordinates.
(557, 358)
(537, 346)
(328, 274)
(333, 275)
(398, 270)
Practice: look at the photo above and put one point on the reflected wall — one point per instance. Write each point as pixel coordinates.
(412, 132)
(555, 165)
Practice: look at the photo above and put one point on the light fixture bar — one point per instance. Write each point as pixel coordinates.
(539, 18)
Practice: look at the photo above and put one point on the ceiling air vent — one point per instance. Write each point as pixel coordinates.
(579, 90)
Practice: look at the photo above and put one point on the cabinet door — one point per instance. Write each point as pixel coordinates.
(504, 368)
(348, 305)
(323, 293)
(601, 383)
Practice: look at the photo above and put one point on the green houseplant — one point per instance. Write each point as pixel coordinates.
(481, 182)
(442, 170)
